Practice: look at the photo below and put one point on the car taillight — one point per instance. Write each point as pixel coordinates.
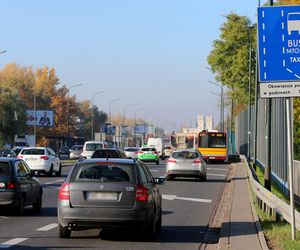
(20, 156)
(155, 153)
(141, 152)
(172, 161)
(141, 193)
(44, 157)
(64, 192)
(197, 161)
(11, 185)
(136, 152)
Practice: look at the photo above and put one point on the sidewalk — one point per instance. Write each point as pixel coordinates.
(240, 227)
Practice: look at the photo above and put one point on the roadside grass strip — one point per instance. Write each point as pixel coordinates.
(48, 227)
(12, 242)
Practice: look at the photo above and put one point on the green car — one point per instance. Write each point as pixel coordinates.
(148, 154)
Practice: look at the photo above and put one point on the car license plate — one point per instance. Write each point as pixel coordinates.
(107, 196)
(30, 159)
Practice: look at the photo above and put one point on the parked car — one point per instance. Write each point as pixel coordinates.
(75, 152)
(148, 154)
(7, 153)
(131, 152)
(109, 153)
(186, 163)
(100, 193)
(41, 160)
(17, 186)
(90, 147)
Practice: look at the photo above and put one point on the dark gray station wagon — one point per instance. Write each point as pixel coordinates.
(18, 188)
(100, 193)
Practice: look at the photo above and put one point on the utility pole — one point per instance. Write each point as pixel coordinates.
(267, 181)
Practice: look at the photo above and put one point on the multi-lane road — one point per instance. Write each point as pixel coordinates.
(187, 207)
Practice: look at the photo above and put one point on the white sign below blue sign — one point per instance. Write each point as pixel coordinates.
(279, 51)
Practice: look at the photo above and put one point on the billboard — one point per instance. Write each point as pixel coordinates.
(41, 118)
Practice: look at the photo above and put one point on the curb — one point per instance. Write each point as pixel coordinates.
(261, 235)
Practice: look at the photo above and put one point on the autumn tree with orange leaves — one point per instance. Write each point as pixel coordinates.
(17, 87)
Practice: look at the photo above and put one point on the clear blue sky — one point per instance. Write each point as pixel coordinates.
(149, 53)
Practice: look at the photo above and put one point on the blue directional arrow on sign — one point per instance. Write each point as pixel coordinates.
(279, 50)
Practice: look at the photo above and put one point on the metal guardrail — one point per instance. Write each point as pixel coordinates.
(277, 205)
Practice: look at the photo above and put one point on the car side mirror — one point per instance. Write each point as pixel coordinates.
(158, 180)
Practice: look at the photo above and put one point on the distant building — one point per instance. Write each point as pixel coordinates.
(200, 122)
(209, 123)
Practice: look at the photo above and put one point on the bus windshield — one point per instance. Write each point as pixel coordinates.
(212, 141)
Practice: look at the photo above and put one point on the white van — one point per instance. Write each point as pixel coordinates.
(90, 147)
(158, 144)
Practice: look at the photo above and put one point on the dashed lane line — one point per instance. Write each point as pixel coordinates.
(52, 182)
(221, 175)
(48, 227)
(219, 169)
(12, 242)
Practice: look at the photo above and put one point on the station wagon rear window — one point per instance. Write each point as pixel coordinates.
(33, 151)
(4, 169)
(104, 173)
(93, 146)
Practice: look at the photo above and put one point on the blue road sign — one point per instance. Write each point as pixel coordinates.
(279, 43)
(279, 47)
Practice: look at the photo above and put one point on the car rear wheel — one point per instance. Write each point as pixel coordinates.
(59, 171)
(169, 178)
(37, 206)
(20, 207)
(64, 232)
(158, 223)
(50, 173)
(157, 162)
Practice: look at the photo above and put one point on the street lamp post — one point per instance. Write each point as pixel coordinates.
(124, 112)
(92, 133)
(68, 106)
(149, 113)
(136, 111)
(111, 102)
(222, 104)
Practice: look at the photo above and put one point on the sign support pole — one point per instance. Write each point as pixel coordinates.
(290, 165)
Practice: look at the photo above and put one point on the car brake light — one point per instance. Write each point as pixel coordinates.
(11, 185)
(20, 156)
(64, 192)
(172, 161)
(44, 157)
(141, 152)
(197, 161)
(141, 193)
(136, 152)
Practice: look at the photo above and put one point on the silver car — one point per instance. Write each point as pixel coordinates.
(131, 152)
(75, 152)
(186, 163)
(100, 193)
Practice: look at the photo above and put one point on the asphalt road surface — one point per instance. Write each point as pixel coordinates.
(187, 207)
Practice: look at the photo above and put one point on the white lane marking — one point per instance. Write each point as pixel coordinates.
(12, 242)
(48, 227)
(4, 217)
(221, 175)
(175, 197)
(52, 182)
(219, 169)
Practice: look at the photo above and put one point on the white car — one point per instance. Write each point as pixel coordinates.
(41, 160)
(186, 163)
(90, 147)
(131, 152)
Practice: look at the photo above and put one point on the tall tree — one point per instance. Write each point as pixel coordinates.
(230, 57)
